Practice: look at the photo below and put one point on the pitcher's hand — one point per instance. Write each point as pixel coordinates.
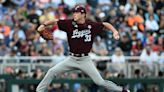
(45, 32)
(41, 28)
(116, 35)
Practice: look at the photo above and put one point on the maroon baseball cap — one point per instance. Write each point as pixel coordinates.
(79, 9)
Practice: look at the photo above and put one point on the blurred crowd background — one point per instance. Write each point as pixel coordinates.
(139, 22)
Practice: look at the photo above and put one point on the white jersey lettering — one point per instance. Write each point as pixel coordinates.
(83, 33)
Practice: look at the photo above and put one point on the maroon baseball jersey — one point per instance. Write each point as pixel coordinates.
(80, 36)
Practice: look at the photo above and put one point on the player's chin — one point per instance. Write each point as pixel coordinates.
(75, 19)
(116, 38)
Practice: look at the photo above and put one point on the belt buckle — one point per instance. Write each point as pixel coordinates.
(82, 54)
(76, 55)
(72, 54)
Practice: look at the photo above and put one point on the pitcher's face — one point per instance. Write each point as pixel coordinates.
(77, 16)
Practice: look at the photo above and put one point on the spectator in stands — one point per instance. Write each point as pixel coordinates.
(42, 3)
(99, 47)
(5, 30)
(46, 16)
(21, 74)
(161, 23)
(66, 8)
(13, 54)
(125, 44)
(150, 11)
(61, 36)
(15, 41)
(24, 48)
(7, 18)
(3, 47)
(82, 2)
(46, 51)
(112, 18)
(158, 4)
(19, 16)
(151, 24)
(148, 55)
(18, 2)
(33, 17)
(161, 60)
(135, 20)
(122, 2)
(2, 9)
(60, 12)
(38, 74)
(38, 42)
(118, 56)
(138, 87)
(137, 46)
(30, 31)
(99, 15)
(135, 34)
(118, 59)
(59, 55)
(19, 32)
(77, 86)
(31, 4)
(9, 70)
(56, 44)
(160, 41)
(131, 4)
(23, 11)
(33, 51)
(104, 5)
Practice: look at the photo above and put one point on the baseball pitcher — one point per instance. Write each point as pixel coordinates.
(80, 33)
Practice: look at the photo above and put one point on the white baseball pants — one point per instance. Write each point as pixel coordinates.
(84, 64)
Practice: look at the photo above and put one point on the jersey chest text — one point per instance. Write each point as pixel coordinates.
(86, 34)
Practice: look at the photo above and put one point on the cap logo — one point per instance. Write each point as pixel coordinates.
(77, 7)
(89, 26)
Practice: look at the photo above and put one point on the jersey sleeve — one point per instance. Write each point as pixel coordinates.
(63, 25)
(99, 26)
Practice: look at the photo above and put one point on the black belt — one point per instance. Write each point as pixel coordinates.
(78, 55)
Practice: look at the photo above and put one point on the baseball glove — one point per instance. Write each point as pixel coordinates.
(46, 34)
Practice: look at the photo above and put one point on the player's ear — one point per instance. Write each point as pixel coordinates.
(83, 14)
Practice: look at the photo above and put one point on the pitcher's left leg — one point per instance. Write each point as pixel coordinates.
(96, 77)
